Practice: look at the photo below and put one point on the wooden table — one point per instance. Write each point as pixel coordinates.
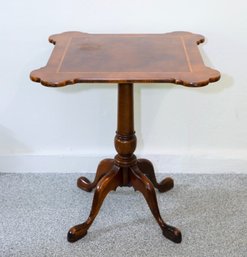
(125, 59)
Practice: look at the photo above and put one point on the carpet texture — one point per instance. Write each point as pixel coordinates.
(36, 211)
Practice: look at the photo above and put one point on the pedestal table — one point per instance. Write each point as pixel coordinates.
(125, 59)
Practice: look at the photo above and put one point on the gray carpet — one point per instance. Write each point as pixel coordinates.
(36, 211)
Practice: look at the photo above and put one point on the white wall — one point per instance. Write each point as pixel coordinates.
(72, 128)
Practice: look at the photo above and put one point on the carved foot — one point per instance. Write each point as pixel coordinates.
(103, 167)
(147, 168)
(109, 182)
(77, 232)
(141, 183)
(172, 233)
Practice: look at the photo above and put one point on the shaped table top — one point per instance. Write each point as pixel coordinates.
(125, 58)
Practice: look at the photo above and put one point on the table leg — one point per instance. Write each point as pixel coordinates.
(110, 182)
(147, 168)
(141, 183)
(103, 167)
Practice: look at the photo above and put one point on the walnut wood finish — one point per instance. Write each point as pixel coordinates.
(141, 183)
(103, 167)
(125, 170)
(110, 182)
(143, 164)
(147, 168)
(125, 59)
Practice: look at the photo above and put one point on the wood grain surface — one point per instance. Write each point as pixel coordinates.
(125, 58)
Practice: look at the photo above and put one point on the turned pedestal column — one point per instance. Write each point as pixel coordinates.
(125, 170)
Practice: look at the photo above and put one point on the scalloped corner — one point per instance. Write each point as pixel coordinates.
(33, 77)
(199, 38)
(51, 40)
(54, 38)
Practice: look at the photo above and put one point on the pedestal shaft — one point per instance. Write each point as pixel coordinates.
(125, 139)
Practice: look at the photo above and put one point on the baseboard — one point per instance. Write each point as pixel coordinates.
(163, 163)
